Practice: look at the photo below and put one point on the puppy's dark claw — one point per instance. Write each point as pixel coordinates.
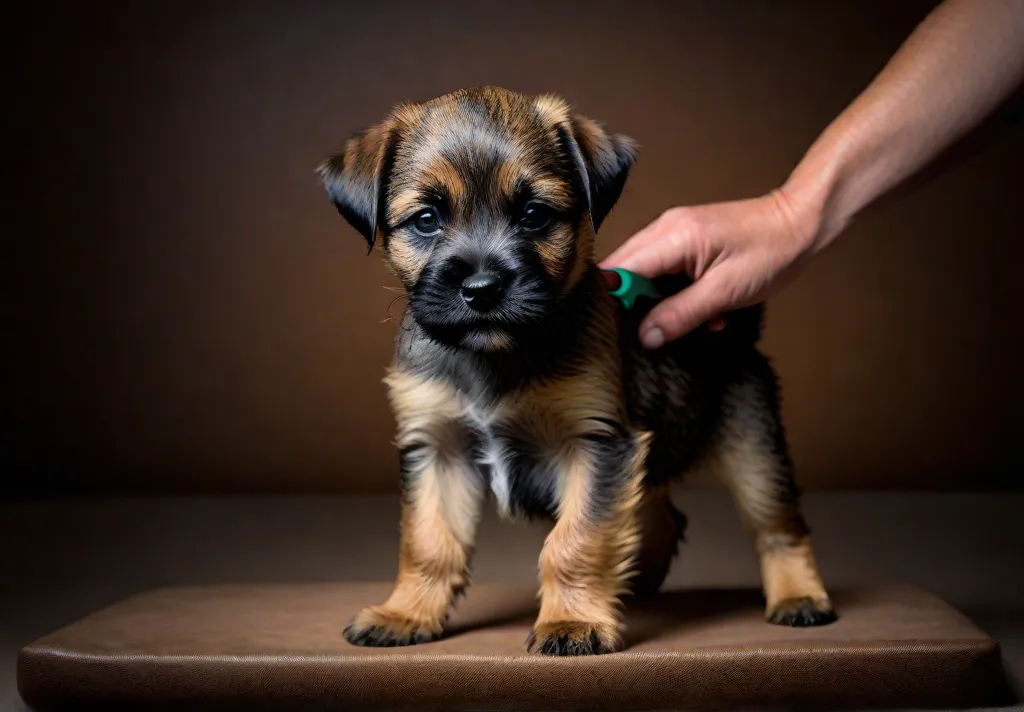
(376, 629)
(802, 613)
(571, 638)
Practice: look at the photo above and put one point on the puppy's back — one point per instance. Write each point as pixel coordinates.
(677, 390)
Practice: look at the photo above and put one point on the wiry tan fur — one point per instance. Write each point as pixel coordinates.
(585, 567)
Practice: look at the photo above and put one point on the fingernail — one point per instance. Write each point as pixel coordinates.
(653, 338)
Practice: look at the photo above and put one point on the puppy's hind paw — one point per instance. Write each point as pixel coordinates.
(379, 628)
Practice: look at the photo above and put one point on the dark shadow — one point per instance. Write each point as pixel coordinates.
(519, 609)
(653, 616)
(524, 617)
(647, 617)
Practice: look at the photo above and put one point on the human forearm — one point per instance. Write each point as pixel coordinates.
(955, 68)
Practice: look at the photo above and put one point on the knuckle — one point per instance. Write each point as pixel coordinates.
(680, 227)
(683, 219)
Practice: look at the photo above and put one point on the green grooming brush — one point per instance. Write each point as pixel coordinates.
(626, 286)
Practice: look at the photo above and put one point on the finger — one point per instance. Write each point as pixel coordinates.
(639, 241)
(682, 313)
(665, 254)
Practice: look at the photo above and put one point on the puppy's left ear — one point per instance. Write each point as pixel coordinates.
(357, 178)
(603, 162)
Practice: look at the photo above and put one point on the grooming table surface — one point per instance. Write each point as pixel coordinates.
(276, 646)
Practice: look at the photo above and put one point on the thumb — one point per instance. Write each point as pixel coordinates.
(682, 313)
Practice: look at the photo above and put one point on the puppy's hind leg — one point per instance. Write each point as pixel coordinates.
(751, 456)
(662, 528)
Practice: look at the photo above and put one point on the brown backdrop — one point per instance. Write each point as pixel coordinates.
(184, 310)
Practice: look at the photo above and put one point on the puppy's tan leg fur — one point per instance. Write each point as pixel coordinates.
(586, 562)
(442, 499)
(794, 592)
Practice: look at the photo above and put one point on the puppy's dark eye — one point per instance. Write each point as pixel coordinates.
(535, 218)
(426, 222)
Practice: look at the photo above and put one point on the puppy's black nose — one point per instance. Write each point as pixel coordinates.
(482, 290)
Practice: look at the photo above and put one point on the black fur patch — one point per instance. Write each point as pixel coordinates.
(531, 480)
(612, 456)
(406, 468)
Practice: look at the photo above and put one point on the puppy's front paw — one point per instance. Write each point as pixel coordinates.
(382, 628)
(802, 612)
(572, 638)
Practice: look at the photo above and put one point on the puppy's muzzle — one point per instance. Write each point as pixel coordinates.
(482, 286)
(483, 290)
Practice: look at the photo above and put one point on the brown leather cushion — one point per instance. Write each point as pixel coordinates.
(281, 645)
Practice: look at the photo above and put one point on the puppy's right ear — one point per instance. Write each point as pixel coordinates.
(603, 161)
(357, 177)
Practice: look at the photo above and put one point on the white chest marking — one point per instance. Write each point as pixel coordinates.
(493, 456)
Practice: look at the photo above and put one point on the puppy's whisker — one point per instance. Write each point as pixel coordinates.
(387, 311)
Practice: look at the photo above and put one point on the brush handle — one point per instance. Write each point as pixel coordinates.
(626, 286)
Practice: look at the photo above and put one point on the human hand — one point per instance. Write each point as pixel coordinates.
(738, 253)
(961, 62)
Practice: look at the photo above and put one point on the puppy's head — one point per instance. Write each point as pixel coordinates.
(485, 203)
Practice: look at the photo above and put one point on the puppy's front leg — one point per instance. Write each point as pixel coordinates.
(589, 555)
(440, 510)
(442, 497)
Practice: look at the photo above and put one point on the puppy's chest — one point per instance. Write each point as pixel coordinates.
(515, 458)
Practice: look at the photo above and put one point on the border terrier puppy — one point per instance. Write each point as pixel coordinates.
(517, 377)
